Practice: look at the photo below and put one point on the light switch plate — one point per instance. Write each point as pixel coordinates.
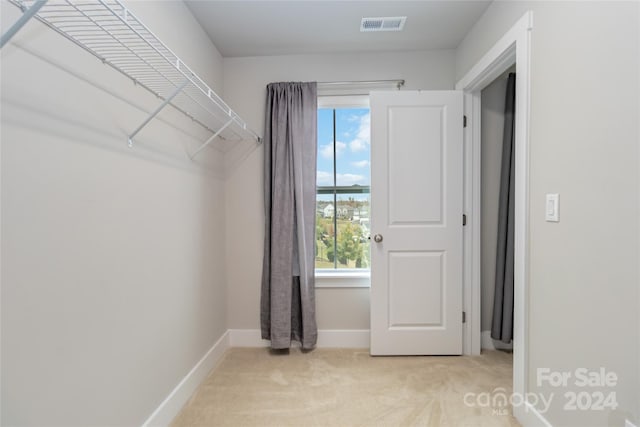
(552, 207)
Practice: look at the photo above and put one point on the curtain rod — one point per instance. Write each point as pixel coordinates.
(399, 82)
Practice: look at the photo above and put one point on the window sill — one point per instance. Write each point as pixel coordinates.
(343, 279)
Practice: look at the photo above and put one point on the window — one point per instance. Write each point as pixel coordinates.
(343, 184)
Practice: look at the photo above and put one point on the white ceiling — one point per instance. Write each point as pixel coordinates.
(252, 28)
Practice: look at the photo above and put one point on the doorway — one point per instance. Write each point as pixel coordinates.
(496, 313)
(513, 47)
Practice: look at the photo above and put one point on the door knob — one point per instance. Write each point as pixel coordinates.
(377, 238)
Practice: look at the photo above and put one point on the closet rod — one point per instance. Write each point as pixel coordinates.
(398, 82)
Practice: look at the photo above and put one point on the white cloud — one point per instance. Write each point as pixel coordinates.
(350, 179)
(324, 178)
(360, 164)
(357, 145)
(326, 151)
(363, 135)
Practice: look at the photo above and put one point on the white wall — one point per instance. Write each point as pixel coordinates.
(113, 278)
(583, 293)
(245, 80)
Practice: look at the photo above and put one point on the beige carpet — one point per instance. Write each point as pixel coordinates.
(327, 387)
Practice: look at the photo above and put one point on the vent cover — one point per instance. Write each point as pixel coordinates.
(395, 23)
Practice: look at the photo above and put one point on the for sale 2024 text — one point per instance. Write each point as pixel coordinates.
(597, 387)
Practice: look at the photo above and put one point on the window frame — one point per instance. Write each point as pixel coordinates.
(345, 277)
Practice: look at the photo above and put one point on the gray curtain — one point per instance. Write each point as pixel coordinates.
(287, 306)
(502, 325)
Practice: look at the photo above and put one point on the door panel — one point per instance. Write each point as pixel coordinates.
(410, 163)
(414, 300)
(416, 205)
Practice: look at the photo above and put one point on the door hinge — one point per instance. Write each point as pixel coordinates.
(464, 317)
(464, 121)
(464, 220)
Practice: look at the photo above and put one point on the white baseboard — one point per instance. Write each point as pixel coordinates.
(246, 338)
(529, 416)
(488, 343)
(343, 338)
(171, 406)
(327, 338)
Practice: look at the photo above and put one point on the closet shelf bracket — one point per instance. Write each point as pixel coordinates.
(211, 138)
(26, 16)
(157, 111)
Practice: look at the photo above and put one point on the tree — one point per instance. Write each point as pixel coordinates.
(330, 250)
(349, 248)
(319, 226)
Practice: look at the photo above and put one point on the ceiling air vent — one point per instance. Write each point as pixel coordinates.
(395, 23)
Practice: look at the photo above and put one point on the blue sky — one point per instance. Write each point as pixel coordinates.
(352, 147)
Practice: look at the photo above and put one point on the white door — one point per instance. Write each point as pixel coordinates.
(416, 222)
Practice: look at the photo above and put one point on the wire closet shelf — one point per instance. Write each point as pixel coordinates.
(108, 30)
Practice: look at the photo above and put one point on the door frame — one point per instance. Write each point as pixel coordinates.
(513, 47)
